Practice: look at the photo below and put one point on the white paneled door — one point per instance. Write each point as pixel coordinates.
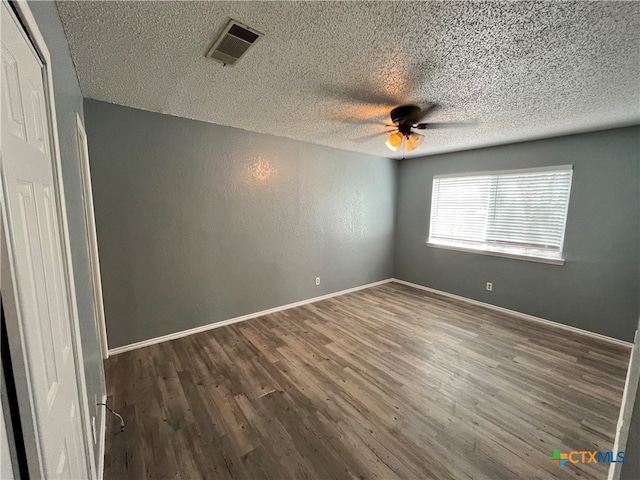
(34, 238)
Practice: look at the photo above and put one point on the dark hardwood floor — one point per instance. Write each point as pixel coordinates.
(388, 382)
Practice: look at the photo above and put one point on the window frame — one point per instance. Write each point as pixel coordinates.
(492, 253)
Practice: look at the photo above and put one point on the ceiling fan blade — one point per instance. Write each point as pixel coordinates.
(435, 126)
(360, 121)
(353, 95)
(428, 110)
(370, 136)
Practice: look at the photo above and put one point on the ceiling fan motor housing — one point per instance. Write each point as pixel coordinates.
(405, 113)
(404, 116)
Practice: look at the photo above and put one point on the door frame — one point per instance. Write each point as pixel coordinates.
(15, 326)
(92, 237)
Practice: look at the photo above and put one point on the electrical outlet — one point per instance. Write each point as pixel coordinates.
(489, 287)
(317, 280)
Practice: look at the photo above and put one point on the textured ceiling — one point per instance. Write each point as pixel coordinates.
(519, 70)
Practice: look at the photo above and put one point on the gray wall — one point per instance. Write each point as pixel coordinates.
(199, 223)
(69, 101)
(596, 289)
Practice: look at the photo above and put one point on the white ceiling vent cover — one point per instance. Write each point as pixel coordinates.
(235, 41)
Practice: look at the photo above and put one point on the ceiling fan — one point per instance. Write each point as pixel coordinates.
(406, 119)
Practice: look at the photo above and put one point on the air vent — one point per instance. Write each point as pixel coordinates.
(235, 41)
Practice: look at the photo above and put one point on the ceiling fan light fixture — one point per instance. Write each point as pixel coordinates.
(390, 147)
(394, 141)
(414, 140)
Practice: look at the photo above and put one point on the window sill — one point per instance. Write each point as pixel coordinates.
(550, 261)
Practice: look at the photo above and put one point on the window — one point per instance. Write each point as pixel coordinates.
(519, 213)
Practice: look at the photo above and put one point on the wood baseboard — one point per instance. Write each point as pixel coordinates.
(524, 316)
(204, 328)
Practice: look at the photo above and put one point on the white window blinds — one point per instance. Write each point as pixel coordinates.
(520, 212)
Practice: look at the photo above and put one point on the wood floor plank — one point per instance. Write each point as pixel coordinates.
(383, 383)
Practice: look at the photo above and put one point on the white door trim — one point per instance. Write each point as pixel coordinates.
(102, 439)
(31, 27)
(631, 385)
(92, 237)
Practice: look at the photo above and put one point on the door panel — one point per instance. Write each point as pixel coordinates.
(34, 241)
(59, 306)
(35, 306)
(37, 138)
(12, 96)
